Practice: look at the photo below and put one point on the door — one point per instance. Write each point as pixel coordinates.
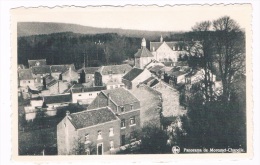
(122, 140)
(99, 149)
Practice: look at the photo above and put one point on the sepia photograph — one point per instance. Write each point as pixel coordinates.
(132, 80)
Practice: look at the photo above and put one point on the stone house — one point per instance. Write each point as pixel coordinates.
(106, 73)
(85, 94)
(135, 77)
(98, 130)
(87, 73)
(126, 106)
(25, 79)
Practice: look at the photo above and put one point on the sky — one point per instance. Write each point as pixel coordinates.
(153, 18)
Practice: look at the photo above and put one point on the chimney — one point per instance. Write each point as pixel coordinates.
(67, 113)
(108, 99)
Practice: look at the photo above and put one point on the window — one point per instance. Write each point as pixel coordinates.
(90, 94)
(111, 131)
(122, 109)
(111, 145)
(99, 135)
(79, 95)
(132, 120)
(131, 107)
(86, 137)
(123, 123)
(29, 82)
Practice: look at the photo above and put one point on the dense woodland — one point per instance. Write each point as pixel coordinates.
(68, 47)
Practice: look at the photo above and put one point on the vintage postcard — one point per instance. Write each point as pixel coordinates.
(147, 81)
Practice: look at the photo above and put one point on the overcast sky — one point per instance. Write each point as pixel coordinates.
(176, 18)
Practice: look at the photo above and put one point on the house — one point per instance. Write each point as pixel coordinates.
(126, 106)
(114, 83)
(39, 62)
(51, 86)
(85, 94)
(26, 79)
(31, 110)
(87, 73)
(177, 77)
(167, 51)
(106, 73)
(157, 71)
(97, 130)
(59, 100)
(143, 56)
(135, 77)
(70, 76)
(57, 70)
(39, 72)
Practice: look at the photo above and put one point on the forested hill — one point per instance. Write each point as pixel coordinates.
(69, 47)
(36, 28)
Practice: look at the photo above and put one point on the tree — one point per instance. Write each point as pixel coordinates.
(81, 148)
(229, 52)
(153, 140)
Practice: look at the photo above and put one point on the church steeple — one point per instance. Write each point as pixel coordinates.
(161, 39)
(143, 44)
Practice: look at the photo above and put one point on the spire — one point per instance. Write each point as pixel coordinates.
(161, 39)
(143, 42)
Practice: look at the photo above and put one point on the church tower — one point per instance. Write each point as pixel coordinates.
(143, 56)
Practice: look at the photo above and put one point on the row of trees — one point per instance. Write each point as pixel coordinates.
(217, 122)
(66, 48)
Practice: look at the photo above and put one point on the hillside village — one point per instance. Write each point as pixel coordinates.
(103, 110)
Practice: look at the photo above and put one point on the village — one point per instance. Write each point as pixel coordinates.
(103, 110)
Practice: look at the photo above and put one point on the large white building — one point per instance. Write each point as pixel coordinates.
(160, 51)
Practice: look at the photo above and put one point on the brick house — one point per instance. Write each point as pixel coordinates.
(98, 130)
(126, 106)
(135, 77)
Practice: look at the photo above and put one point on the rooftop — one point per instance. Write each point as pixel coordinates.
(39, 62)
(121, 96)
(115, 69)
(61, 68)
(92, 117)
(89, 70)
(61, 98)
(41, 69)
(143, 52)
(25, 74)
(132, 74)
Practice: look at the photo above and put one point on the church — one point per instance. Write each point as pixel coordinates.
(160, 51)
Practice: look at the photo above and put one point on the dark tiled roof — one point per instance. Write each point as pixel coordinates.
(150, 82)
(121, 96)
(88, 89)
(89, 70)
(156, 68)
(92, 117)
(115, 69)
(143, 52)
(61, 68)
(62, 98)
(132, 74)
(25, 74)
(178, 73)
(40, 62)
(41, 69)
(50, 80)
